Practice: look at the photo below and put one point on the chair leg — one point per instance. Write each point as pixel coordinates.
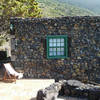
(9, 77)
(4, 78)
(15, 78)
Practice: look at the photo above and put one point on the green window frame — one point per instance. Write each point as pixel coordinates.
(57, 46)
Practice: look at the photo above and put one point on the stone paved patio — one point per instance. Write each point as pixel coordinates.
(26, 89)
(23, 89)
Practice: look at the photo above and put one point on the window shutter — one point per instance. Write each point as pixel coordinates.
(69, 46)
(44, 47)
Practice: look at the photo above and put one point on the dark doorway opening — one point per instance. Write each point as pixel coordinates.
(3, 56)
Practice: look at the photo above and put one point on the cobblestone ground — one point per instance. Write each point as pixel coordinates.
(22, 89)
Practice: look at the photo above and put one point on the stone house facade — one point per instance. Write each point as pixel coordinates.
(79, 54)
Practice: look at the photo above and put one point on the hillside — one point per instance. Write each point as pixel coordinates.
(56, 8)
(92, 5)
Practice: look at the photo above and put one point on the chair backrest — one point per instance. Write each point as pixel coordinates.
(10, 69)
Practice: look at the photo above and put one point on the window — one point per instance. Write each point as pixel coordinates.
(57, 46)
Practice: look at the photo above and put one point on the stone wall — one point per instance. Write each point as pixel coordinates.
(29, 47)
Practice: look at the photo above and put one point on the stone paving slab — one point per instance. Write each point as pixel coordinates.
(71, 98)
(23, 89)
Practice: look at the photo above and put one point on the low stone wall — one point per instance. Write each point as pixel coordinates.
(76, 88)
(70, 88)
(29, 47)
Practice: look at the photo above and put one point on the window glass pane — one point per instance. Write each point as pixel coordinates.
(50, 49)
(58, 40)
(58, 44)
(50, 53)
(62, 53)
(50, 40)
(54, 40)
(54, 53)
(50, 44)
(54, 49)
(62, 40)
(62, 49)
(54, 44)
(58, 53)
(58, 49)
(62, 44)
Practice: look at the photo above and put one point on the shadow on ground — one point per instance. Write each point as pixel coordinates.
(33, 99)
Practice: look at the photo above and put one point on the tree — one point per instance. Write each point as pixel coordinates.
(20, 8)
(16, 8)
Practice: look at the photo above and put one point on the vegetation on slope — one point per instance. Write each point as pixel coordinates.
(15, 8)
(55, 8)
(92, 5)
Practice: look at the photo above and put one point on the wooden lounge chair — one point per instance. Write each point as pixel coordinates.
(10, 74)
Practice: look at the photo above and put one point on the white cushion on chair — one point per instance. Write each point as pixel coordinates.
(10, 70)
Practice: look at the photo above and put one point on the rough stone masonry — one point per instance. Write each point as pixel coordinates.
(29, 47)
